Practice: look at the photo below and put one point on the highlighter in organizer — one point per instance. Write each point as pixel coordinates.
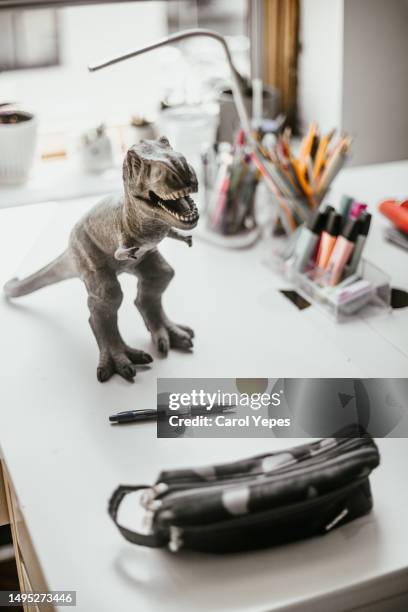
(346, 203)
(342, 251)
(357, 209)
(328, 239)
(307, 241)
(365, 219)
(328, 210)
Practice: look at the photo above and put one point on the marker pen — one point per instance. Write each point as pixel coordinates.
(130, 416)
(329, 238)
(328, 210)
(343, 249)
(357, 209)
(352, 266)
(308, 240)
(346, 203)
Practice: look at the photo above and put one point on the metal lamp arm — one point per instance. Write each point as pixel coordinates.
(237, 80)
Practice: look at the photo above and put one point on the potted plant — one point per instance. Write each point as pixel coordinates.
(18, 136)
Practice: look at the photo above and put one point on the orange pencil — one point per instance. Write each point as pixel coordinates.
(321, 153)
(307, 144)
(301, 177)
(334, 163)
(287, 213)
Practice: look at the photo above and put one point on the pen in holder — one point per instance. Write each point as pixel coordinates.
(299, 180)
(229, 186)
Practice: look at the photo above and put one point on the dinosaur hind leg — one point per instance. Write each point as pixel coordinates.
(104, 300)
(58, 270)
(154, 275)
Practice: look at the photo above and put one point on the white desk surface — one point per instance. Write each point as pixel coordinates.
(56, 180)
(65, 458)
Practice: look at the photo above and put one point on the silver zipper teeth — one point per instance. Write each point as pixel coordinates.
(195, 491)
(295, 465)
(249, 478)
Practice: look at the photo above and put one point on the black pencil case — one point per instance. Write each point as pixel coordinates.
(259, 502)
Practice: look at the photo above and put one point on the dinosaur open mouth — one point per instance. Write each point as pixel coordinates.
(178, 204)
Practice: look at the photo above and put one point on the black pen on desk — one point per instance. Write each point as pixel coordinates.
(132, 416)
(215, 409)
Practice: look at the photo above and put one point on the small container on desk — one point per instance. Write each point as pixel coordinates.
(369, 295)
(228, 195)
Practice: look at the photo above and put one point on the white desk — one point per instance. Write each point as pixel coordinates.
(65, 459)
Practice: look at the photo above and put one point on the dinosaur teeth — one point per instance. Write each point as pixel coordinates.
(188, 217)
(176, 195)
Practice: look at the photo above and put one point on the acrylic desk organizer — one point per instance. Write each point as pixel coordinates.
(373, 297)
(369, 298)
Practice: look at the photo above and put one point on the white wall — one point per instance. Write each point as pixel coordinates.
(320, 62)
(353, 73)
(375, 79)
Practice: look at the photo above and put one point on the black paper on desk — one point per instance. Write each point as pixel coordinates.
(399, 298)
(295, 298)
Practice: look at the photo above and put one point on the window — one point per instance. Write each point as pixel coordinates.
(44, 55)
(67, 97)
(228, 18)
(28, 39)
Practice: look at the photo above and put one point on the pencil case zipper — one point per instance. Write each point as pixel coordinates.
(163, 489)
(316, 456)
(271, 479)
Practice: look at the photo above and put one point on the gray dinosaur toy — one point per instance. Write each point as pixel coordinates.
(121, 234)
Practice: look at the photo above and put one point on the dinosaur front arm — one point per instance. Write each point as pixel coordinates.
(176, 236)
(123, 253)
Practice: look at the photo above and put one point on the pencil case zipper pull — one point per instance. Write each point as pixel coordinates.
(175, 540)
(148, 521)
(150, 495)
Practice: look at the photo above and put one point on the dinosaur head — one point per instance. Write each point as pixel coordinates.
(159, 181)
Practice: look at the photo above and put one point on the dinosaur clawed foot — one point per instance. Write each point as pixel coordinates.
(122, 362)
(173, 336)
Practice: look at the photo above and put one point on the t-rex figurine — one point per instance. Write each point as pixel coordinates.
(121, 234)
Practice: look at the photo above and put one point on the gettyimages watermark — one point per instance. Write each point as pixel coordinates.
(210, 400)
(281, 407)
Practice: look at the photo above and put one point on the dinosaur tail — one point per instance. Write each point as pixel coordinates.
(57, 270)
